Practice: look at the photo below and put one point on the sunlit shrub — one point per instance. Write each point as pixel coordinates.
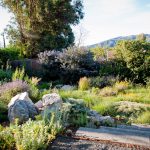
(84, 83)
(144, 118)
(7, 141)
(31, 135)
(32, 82)
(95, 90)
(129, 109)
(121, 86)
(19, 74)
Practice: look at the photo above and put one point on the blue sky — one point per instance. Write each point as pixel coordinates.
(105, 19)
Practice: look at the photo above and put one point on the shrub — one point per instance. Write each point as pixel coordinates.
(84, 83)
(33, 87)
(19, 74)
(5, 74)
(95, 90)
(103, 81)
(10, 89)
(7, 141)
(136, 55)
(32, 82)
(77, 112)
(32, 135)
(121, 86)
(104, 108)
(129, 110)
(108, 91)
(115, 68)
(68, 65)
(76, 63)
(9, 54)
(51, 63)
(144, 118)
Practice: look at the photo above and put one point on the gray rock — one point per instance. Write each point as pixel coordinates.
(67, 88)
(106, 120)
(39, 105)
(22, 108)
(58, 86)
(50, 99)
(93, 113)
(51, 103)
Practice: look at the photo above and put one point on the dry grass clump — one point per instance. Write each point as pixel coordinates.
(108, 91)
(84, 83)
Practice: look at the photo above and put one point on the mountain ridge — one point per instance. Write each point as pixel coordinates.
(112, 42)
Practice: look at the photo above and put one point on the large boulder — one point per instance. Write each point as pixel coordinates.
(22, 108)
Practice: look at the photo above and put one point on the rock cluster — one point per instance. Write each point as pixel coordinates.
(22, 108)
(95, 119)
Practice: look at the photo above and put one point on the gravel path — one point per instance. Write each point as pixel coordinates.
(68, 143)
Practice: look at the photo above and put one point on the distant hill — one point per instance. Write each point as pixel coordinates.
(112, 42)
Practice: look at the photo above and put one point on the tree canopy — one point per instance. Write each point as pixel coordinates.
(45, 24)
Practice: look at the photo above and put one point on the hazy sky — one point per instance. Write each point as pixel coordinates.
(106, 19)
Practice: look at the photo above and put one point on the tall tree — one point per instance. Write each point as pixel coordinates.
(45, 24)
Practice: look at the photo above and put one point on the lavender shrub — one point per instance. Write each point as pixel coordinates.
(10, 89)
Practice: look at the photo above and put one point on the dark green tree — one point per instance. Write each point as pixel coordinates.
(45, 24)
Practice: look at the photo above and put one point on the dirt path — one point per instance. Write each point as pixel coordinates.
(68, 143)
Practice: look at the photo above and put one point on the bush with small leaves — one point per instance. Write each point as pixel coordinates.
(103, 81)
(77, 112)
(51, 63)
(7, 141)
(76, 63)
